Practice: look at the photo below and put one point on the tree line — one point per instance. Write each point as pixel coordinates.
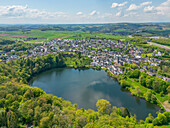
(22, 105)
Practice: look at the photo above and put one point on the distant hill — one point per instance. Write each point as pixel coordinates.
(136, 29)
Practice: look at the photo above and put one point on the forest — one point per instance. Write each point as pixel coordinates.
(22, 105)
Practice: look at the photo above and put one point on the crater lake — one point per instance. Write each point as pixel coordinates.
(86, 87)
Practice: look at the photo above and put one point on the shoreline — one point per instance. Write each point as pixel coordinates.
(110, 74)
(160, 104)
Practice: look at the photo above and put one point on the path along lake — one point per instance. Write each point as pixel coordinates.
(86, 87)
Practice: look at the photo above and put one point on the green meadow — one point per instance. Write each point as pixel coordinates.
(51, 34)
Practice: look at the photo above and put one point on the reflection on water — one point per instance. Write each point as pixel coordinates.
(86, 87)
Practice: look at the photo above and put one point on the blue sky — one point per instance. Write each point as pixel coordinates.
(83, 11)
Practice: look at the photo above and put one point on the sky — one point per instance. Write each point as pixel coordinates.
(83, 11)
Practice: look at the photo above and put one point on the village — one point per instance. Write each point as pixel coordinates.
(104, 53)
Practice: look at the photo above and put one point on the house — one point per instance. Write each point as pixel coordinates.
(154, 64)
(151, 74)
(138, 57)
(166, 79)
(13, 50)
(159, 54)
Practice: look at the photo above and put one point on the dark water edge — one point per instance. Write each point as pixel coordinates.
(85, 86)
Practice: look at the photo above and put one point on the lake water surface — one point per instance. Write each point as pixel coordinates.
(86, 87)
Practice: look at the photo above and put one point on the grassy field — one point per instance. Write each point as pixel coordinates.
(144, 90)
(147, 54)
(163, 126)
(134, 84)
(39, 34)
(165, 42)
(56, 34)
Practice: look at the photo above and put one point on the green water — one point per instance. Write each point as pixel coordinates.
(86, 87)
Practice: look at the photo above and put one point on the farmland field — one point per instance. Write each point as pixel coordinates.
(51, 34)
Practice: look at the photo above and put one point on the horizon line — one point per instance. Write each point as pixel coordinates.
(80, 23)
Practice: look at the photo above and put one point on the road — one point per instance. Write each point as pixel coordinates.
(167, 109)
(162, 46)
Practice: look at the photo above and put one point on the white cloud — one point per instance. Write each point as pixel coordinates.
(115, 5)
(25, 14)
(94, 13)
(166, 3)
(149, 9)
(146, 3)
(17, 11)
(134, 7)
(131, 14)
(119, 14)
(13, 10)
(164, 8)
(79, 13)
(106, 15)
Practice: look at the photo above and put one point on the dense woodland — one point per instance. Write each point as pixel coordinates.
(22, 105)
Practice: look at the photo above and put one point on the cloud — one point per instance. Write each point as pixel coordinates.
(13, 10)
(146, 3)
(134, 7)
(166, 3)
(94, 13)
(106, 15)
(17, 11)
(119, 14)
(131, 14)
(79, 13)
(25, 14)
(149, 9)
(115, 5)
(164, 8)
